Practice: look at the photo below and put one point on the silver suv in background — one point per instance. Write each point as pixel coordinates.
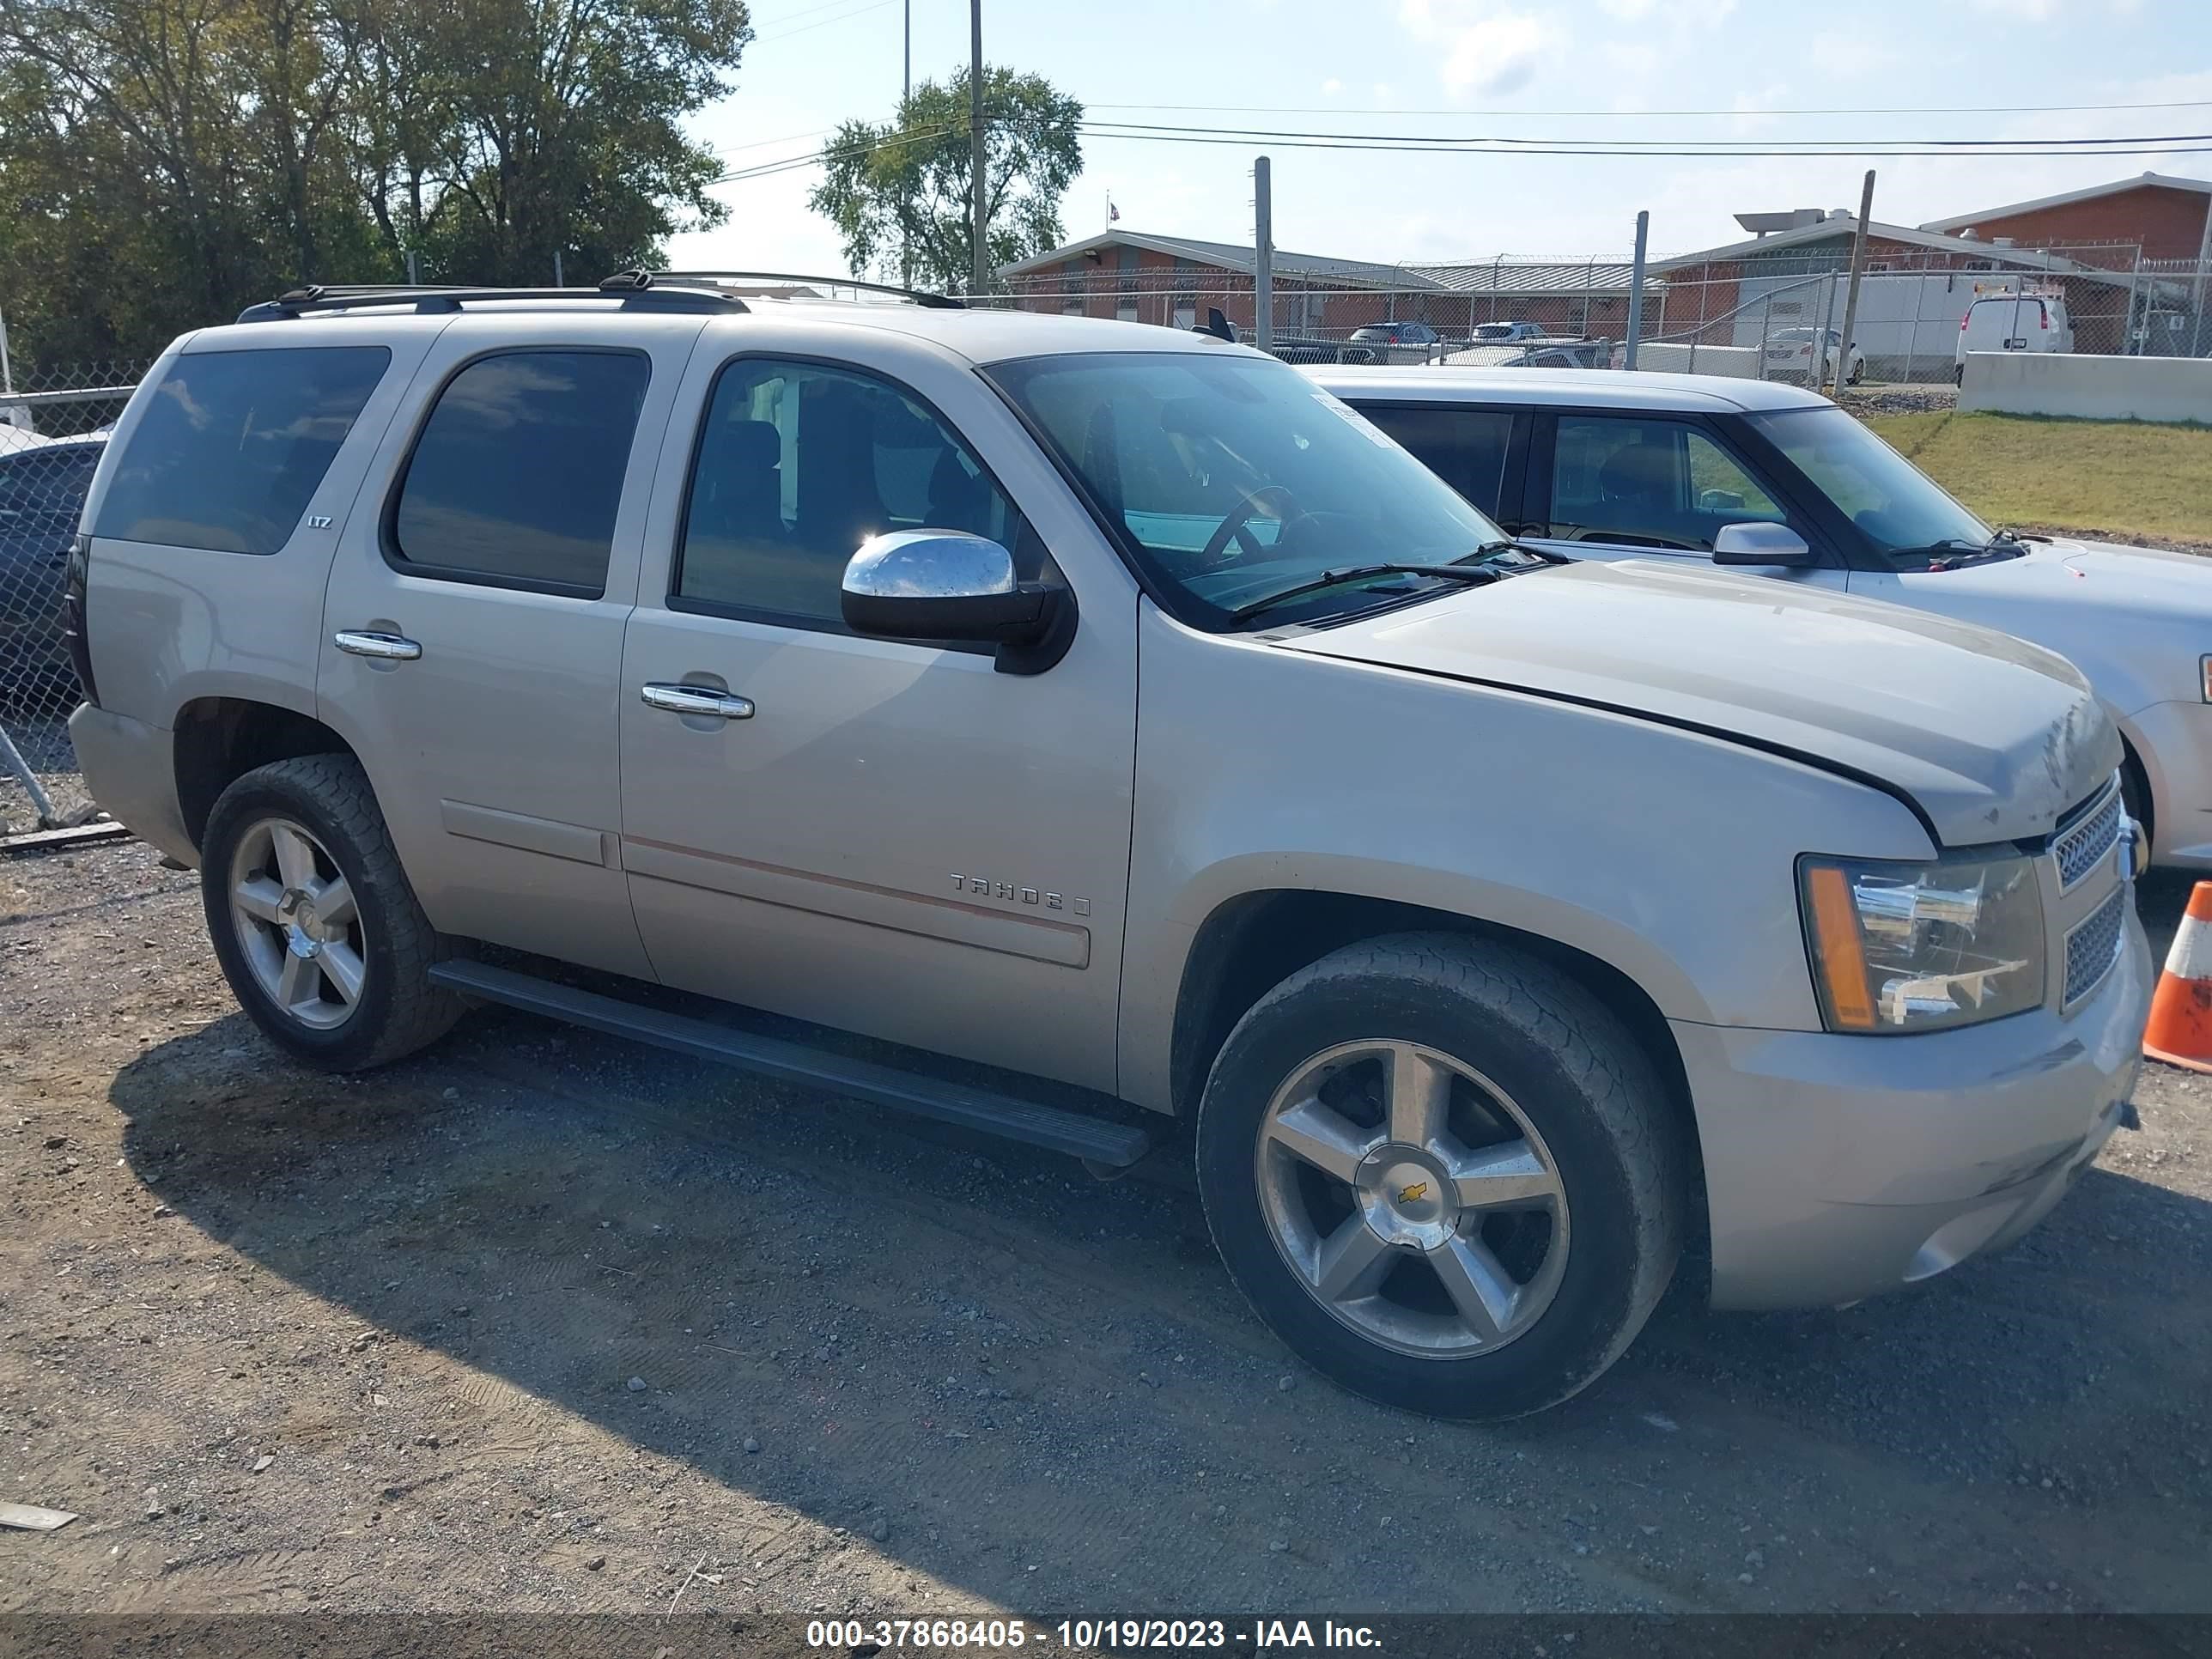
(1124, 713)
(1697, 470)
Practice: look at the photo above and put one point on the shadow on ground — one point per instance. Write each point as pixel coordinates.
(577, 1265)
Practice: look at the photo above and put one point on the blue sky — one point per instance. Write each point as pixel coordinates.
(1578, 68)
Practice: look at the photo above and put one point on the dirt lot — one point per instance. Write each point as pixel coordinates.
(545, 1322)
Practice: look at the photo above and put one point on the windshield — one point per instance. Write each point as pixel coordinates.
(1899, 509)
(1233, 477)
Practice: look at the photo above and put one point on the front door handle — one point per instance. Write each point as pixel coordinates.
(697, 700)
(387, 647)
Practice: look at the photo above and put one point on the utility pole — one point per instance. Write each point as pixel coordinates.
(1263, 257)
(976, 278)
(1636, 292)
(2198, 343)
(906, 96)
(1851, 295)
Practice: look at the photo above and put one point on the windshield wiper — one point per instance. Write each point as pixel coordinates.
(2004, 544)
(1491, 549)
(1472, 575)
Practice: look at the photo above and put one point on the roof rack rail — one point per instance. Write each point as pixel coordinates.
(431, 298)
(920, 296)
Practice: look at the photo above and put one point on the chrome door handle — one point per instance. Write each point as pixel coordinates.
(389, 647)
(697, 700)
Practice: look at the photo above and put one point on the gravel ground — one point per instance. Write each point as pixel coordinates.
(1900, 399)
(545, 1322)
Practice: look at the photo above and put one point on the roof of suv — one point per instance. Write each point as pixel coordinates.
(981, 334)
(1576, 387)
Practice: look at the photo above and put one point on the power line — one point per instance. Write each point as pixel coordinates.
(1641, 114)
(1507, 144)
(840, 152)
(2179, 145)
(846, 16)
(2184, 143)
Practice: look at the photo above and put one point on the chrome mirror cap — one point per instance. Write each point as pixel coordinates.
(1760, 543)
(930, 564)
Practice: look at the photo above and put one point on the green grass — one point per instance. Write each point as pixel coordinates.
(2124, 478)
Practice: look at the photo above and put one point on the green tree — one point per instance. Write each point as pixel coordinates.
(164, 163)
(903, 192)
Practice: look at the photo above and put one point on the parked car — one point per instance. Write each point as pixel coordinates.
(1120, 712)
(1537, 353)
(1504, 333)
(1790, 353)
(1692, 469)
(1392, 343)
(42, 490)
(2013, 322)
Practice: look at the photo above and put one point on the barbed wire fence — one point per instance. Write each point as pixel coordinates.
(53, 426)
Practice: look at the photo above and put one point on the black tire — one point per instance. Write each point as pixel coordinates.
(1959, 375)
(1577, 1075)
(2135, 797)
(399, 1010)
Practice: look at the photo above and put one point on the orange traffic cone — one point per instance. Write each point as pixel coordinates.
(2180, 1028)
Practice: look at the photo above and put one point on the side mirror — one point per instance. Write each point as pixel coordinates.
(1761, 543)
(948, 586)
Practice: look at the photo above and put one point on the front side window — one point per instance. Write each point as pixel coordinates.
(1231, 477)
(798, 464)
(1636, 483)
(1465, 448)
(1899, 509)
(233, 445)
(518, 474)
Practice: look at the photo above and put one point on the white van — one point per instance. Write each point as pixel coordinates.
(2013, 322)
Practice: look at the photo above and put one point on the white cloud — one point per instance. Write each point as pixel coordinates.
(1683, 14)
(1331, 87)
(1487, 48)
(2037, 10)
(1854, 53)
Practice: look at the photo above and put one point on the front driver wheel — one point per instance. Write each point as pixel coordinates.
(1443, 1174)
(313, 920)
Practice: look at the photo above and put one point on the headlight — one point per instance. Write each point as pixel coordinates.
(1916, 947)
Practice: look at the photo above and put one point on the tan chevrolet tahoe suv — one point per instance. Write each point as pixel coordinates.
(1121, 712)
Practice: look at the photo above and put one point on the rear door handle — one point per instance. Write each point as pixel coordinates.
(697, 700)
(389, 647)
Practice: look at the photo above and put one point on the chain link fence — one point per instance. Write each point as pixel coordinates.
(1756, 314)
(53, 426)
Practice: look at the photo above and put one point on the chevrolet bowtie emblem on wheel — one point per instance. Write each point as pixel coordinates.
(1413, 1193)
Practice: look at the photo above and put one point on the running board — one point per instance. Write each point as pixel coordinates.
(1112, 1145)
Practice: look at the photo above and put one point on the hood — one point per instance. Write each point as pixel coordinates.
(2134, 619)
(1991, 737)
(2091, 577)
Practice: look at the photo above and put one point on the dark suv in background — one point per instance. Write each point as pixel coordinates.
(42, 489)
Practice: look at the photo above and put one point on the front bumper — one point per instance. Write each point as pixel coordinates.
(1839, 1167)
(129, 767)
(2174, 742)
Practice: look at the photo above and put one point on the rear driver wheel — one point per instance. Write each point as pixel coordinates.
(313, 920)
(1443, 1174)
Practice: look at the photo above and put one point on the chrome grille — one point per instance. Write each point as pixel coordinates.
(2080, 848)
(2094, 945)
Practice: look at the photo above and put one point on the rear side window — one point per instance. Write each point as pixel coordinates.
(233, 445)
(518, 474)
(1465, 448)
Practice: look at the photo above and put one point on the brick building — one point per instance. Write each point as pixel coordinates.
(1175, 280)
(2166, 218)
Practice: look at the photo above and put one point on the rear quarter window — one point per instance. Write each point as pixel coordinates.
(232, 445)
(517, 477)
